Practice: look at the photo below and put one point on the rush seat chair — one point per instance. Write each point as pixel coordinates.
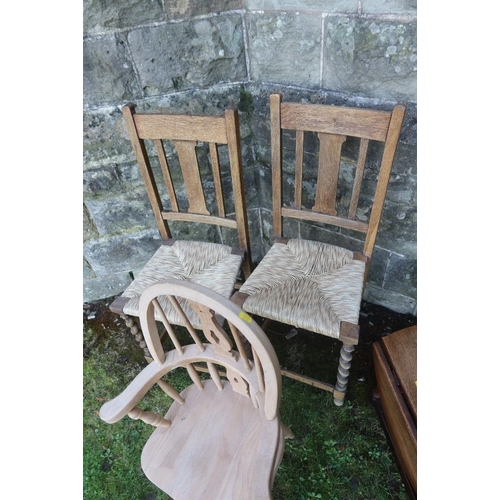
(221, 437)
(313, 285)
(193, 142)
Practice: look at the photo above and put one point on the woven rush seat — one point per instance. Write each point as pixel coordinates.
(207, 264)
(307, 284)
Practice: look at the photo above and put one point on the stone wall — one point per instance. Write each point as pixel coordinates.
(202, 56)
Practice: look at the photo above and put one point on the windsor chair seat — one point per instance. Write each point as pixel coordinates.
(222, 437)
(318, 285)
(187, 185)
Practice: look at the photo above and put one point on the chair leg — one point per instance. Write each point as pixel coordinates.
(343, 374)
(136, 332)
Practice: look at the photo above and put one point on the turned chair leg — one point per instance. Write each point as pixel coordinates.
(343, 374)
(136, 332)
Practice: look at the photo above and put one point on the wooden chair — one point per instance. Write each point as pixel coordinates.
(222, 437)
(308, 284)
(214, 265)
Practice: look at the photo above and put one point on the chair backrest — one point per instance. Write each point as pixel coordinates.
(241, 348)
(333, 125)
(184, 133)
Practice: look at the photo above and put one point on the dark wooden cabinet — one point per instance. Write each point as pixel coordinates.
(395, 361)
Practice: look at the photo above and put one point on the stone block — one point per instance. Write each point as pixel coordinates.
(398, 230)
(108, 75)
(121, 253)
(392, 300)
(285, 48)
(344, 6)
(105, 138)
(196, 53)
(89, 229)
(101, 16)
(389, 7)
(88, 272)
(230, 236)
(121, 213)
(182, 9)
(401, 275)
(369, 57)
(103, 287)
(378, 266)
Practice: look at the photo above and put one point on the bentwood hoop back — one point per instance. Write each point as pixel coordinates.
(222, 437)
(171, 150)
(314, 285)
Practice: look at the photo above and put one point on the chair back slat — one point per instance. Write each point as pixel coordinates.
(185, 135)
(219, 196)
(180, 127)
(352, 122)
(214, 373)
(186, 151)
(360, 168)
(193, 375)
(338, 129)
(170, 391)
(185, 321)
(258, 368)
(171, 333)
(240, 347)
(299, 163)
(213, 331)
(328, 172)
(258, 378)
(162, 157)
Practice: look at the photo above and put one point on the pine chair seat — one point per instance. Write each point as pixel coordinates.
(212, 265)
(307, 284)
(222, 437)
(229, 453)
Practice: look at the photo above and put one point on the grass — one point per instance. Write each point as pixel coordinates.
(337, 452)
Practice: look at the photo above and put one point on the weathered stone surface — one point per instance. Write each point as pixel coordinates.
(378, 266)
(105, 138)
(401, 275)
(230, 236)
(371, 58)
(398, 230)
(121, 213)
(100, 16)
(392, 300)
(106, 286)
(125, 252)
(196, 53)
(182, 9)
(389, 6)
(285, 48)
(89, 229)
(108, 75)
(343, 6)
(88, 272)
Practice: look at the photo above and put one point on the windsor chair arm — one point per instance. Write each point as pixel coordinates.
(115, 409)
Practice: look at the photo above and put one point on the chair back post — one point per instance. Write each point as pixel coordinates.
(391, 142)
(235, 162)
(139, 147)
(276, 163)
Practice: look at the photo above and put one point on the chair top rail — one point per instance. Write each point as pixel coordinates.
(181, 127)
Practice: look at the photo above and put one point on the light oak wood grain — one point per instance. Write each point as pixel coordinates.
(224, 438)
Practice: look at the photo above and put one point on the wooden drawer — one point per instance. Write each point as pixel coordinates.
(395, 361)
